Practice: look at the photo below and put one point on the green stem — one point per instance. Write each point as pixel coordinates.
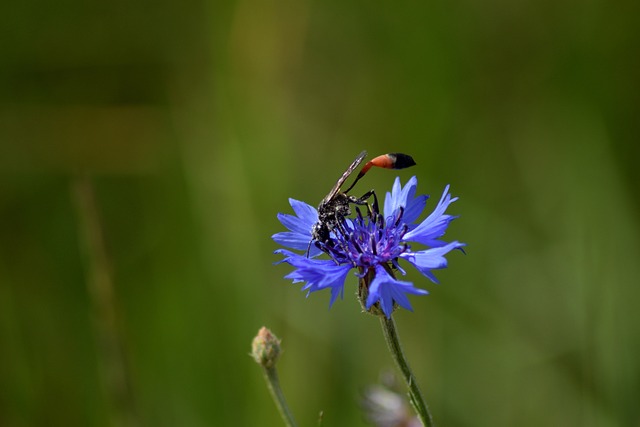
(415, 395)
(273, 384)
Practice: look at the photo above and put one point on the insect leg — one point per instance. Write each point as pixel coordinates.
(362, 200)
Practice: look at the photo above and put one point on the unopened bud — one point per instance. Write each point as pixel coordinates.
(265, 348)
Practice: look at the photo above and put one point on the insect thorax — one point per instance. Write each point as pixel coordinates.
(330, 213)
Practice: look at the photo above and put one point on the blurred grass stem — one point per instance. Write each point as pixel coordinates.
(415, 395)
(101, 292)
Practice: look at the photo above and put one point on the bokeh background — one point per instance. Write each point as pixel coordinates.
(146, 147)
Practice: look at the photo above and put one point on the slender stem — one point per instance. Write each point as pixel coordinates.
(273, 384)
(415, 395)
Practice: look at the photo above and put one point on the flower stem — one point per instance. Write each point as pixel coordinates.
(415, 395)
(273, 384)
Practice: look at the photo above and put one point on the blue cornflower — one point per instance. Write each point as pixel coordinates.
(372, 244)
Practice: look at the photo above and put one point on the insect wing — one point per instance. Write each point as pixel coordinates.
(344, 177)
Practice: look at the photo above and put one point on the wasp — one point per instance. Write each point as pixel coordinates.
(336, 205)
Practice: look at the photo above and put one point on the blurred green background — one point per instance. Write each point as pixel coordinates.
(146, 147)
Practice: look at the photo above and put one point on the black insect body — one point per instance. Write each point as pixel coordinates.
(336, 205)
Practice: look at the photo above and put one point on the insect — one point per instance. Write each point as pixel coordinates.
(336, 205)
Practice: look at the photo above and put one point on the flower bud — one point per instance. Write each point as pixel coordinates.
(265, 348)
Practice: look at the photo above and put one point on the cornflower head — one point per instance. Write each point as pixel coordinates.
(373, 245)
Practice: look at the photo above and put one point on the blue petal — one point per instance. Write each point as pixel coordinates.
(414, 209)
(300, 226)
(296, 241)
(286, 253)
(386, 289)
(292, 240)
(405, 198)
(306, 217)
(335, 292)
(295, 224)
(431, 259)
(304, 211)
(318, 274)
(392, 200)
(435, 225)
